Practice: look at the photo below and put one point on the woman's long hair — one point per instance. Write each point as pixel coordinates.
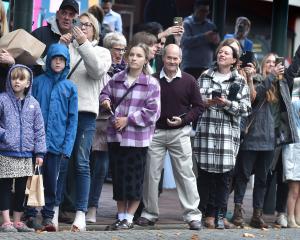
(272, 95)
(3, 20)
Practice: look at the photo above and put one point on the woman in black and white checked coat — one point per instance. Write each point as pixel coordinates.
(217, 137)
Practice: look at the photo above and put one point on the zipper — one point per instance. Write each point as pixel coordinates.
(20, 119)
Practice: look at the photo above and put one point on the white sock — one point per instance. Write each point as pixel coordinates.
(121, 216)
(129, 217)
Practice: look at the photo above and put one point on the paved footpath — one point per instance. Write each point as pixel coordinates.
(174, 234)
(169, 226)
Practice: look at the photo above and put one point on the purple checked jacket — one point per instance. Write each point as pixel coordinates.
(141, 106)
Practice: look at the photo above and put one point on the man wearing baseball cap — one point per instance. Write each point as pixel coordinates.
(59, 24)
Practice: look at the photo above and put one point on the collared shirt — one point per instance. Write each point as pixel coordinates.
(114, 21)
(164, 75)
(141, 106)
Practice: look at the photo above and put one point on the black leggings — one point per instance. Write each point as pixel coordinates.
(19, 196)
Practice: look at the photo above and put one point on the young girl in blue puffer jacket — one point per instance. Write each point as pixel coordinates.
(22, 137)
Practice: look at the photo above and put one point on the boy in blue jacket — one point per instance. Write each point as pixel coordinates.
(59, 104)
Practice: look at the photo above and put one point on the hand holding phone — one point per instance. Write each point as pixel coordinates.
(246, 57)
(279, 60)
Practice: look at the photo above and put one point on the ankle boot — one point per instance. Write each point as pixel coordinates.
(256, 220)
(291, 222)
(219, 220)
(297, 220)
(237, 218)
(91, 215)
(79, 222)
(55, 217)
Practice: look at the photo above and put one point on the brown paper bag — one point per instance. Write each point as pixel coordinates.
(35, 190)
(25, 48)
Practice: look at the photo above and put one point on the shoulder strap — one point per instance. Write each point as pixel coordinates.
(74, 68)
(254, 115)
(122, 98)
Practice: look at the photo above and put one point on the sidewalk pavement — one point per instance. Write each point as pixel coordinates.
(169, 226)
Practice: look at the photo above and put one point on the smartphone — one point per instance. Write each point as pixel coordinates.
(246, 57)
(279, 60)
(215, 94)
(76, 22)
(177, 21)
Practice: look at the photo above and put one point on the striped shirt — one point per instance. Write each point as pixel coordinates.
(217, 137)
(141, 106)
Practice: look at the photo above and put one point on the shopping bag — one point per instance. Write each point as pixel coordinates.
(25, 48)
(35, 189)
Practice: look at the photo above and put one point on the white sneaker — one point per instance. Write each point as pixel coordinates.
(79, 224)
(55, 217)
(281, 220)
(91, 215)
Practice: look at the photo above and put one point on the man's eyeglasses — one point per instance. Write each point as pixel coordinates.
(120, 50)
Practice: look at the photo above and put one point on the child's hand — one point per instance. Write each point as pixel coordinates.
(39, 161)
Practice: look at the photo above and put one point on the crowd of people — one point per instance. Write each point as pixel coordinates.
(102, 104)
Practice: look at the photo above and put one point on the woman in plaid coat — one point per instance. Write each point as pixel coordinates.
(217, 137)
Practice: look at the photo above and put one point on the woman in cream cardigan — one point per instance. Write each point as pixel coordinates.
(94, 63)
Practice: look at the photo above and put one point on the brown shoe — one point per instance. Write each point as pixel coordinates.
(209, 222)
(257, 220)
(237, 218)
(141, 221)
(227, 224)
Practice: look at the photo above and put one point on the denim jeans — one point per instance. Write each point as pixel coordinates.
(99, 167)
(50, 172)
(61, 181)
(81, 153)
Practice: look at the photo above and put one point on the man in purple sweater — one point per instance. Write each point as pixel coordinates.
(180, 105)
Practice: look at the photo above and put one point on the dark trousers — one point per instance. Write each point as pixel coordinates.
(282, 191)
(50, 169)
(19, 196)
(217, 191)
(248, 162)
(277, 190)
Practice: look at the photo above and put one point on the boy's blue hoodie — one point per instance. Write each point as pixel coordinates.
(59, 103)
